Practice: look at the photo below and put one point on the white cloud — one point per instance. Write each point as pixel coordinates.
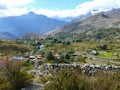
(13, 12)
(11, 7)
(100, 5)
(52, 13)
(12, 3)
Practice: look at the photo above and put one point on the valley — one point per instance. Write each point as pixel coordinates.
(51, 56)
(39, 53)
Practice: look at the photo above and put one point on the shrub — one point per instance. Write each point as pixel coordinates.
(15, 76)
(65, 80)
(69, 79)
(102, 47)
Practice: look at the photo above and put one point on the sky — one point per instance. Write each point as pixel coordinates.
(56, 8)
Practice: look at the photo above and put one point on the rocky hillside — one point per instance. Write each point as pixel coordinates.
(97, 21)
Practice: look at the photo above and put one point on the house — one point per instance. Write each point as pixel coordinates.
(18, 57)
(42, 47)
(57, 56)
(40, 58)
(32, 57)
(38, 61)
(93, 52)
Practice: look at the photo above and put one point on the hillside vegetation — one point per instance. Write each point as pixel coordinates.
(13, 47)
(93, 35)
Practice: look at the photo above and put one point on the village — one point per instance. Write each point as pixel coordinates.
(44, 59)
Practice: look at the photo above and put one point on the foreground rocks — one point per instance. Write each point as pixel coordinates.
(87, 69)
(34, 86)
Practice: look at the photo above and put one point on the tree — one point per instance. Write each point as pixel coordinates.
(61, 60)
(49, 56)
(67, 43)
(67, 56)
(102, 47)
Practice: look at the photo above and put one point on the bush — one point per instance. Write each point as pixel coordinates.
(15, 76)
(81, 59)
(65, 80)
(102, 47)
(69, 79)
(4, 84)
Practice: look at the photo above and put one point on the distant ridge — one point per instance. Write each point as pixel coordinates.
(7, 36)
(29, 23)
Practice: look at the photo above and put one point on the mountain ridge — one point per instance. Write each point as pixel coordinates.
(100, 20)
(29, 23)
(7, 36)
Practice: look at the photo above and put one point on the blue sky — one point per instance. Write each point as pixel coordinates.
(57, 4)
(53, 8)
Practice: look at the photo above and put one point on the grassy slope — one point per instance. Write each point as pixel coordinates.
(82, 47)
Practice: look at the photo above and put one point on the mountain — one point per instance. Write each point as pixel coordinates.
(82, 17)
(33, 36)
(96, 21)
(73, 19)
(100, 34)
(66, 19)
(92, 35)
(7, 36)
(29, 23)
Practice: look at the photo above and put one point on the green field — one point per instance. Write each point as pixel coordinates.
(105, 54)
